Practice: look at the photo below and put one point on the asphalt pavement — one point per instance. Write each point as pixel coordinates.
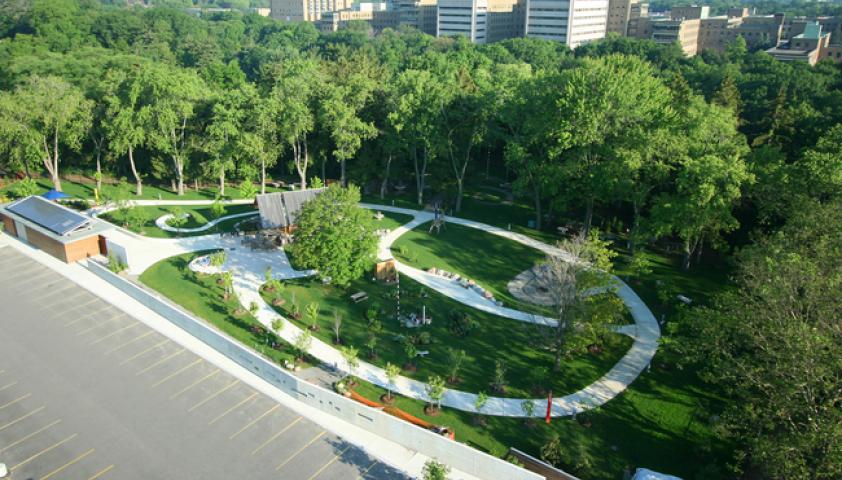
(88, 392)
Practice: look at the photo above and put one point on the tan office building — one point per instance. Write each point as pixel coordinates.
(621, 12)
(306, 10)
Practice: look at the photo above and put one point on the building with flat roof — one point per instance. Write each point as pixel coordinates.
(572, 22)
(306, 10)
(63, 233)
(810, 46)
(621, 12)
(378, 15)
(467, 18)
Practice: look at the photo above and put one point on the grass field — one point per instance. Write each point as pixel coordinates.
(85, 190)
(199, 215)
(490, 260)
(202, 296)
(529, 367)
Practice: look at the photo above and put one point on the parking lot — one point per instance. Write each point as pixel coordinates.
(88, 392)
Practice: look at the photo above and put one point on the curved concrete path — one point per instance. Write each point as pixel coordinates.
(161, 222)
(248, 268)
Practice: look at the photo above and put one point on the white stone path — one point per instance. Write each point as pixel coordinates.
(249, 266)
(161, 222)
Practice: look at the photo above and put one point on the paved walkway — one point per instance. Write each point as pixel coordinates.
(249, 266)
(161, 222)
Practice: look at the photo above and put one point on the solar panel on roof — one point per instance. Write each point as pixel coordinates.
(49, 215)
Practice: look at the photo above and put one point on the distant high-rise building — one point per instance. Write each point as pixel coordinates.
(573, 22)
(621, 12)
(306, 10)
(463, 17)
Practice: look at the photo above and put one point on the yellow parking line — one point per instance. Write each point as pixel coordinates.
(36, 432)
(188, 387)
(300, 450)
(162, 360)
(239, 404)
(145, 351)
(102, 472)
(63, 467)
(56, 445)
(15, 401)
(115, 332)
(267, 442)
(21, 418)
(85, 316)
(180, 370)
(267, 412)
(367, 469)
(208, 399)
(335, 457)
(9, 385)
(144, 335)
(94, 327)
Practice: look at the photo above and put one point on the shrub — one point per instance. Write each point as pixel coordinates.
(278, 324)
(217, 208)
(115, 264)
(461, 324)
(24, 188)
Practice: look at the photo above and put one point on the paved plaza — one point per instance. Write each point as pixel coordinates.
(87, 391)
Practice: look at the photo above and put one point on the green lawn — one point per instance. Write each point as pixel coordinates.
(202, 296)
(391, 221)
(199, 215)
(516, 343)
(661, 422)
(483, 206)
(490, 260)
(85, 190)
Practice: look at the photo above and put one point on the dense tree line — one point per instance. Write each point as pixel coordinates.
(707, 152)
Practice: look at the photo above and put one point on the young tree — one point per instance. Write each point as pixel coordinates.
(583, 297)
(337, 325)
(335, 236)
(313, 315)
(302, 344)
(480, 402)
(434, 470)
(454, 362)
(499, 382)
(435, 391)
(351, 356)
(392, 372)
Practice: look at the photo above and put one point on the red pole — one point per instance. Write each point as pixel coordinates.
(549, 406)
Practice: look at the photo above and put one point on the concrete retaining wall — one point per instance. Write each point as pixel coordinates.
(457, 455)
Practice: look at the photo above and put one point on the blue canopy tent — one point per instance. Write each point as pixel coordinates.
(55, 195)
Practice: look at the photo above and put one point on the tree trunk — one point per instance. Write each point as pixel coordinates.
(222, 182)
(419, 173)
(536, 195)
(631, 241)
(98, 171)
(588, 216)
(306, 162)
(385, 181)
(179, 175)
(685, 259)
(196, 184)
(137, 179)
(324, 170)
(51, 161)
(344, 179)
(459, 188)
(262, 176)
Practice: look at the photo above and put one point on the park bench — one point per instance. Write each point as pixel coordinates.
(359, 297)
